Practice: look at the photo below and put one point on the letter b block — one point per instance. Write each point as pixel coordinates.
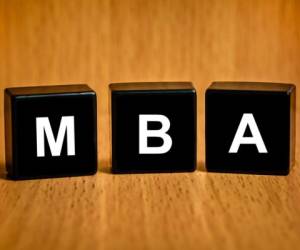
(250, 127)
(51, 131)
(153, 127)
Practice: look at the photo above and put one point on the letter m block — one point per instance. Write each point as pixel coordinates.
(50, 131)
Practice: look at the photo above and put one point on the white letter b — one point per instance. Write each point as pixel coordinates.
(144, 133)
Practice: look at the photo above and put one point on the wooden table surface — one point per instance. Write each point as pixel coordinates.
(97, 42)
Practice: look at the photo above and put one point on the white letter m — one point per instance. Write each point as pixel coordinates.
(66, 126)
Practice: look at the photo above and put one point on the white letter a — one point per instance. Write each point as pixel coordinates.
(248, 119)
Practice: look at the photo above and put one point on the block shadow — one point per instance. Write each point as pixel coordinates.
(105, 167)
(3, 171)
(201, 167)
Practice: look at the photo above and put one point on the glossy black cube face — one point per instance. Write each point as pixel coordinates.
(153, 127)
(50, 131)
(250, 127)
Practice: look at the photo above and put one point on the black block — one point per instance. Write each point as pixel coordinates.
(51, 131)
(134, 146)
(250, 127)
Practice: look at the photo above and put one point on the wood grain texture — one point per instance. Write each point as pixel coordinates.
(98, 42)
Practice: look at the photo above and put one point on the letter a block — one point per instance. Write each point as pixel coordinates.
(50, 131)
(250, 127)
(153, 127)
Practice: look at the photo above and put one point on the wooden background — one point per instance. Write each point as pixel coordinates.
(98, 42)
